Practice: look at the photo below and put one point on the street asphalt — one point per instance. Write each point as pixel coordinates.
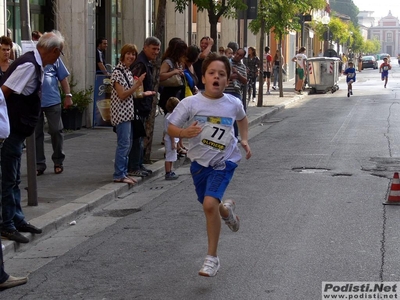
(87, 182)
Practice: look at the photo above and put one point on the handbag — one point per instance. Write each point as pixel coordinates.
(173, 81)
(138, 127)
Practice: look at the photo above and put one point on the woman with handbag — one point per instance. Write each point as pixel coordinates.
(122, 110)
(171, 72)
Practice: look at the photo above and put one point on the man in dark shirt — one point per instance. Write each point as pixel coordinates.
(101, 56)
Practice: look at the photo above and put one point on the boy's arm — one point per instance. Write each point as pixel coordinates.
(189, 132)
(243, 126)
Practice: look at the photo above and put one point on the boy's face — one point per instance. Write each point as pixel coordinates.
(229, 53)
(215, 79)
(350, 65)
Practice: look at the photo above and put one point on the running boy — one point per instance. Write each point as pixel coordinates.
(384, 70)
(213, 148)
(350, 73)
(170, 142)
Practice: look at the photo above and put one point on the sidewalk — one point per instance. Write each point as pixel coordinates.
(87, 178)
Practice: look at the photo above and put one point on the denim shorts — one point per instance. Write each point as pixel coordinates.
(212, 181)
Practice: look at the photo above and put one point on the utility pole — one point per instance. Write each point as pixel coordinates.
(30, 141)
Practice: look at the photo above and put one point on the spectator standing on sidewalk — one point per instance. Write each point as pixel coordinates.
(51, 107)
(5, 61)
(101, 56)
(6, 281)
(300, 60)
(276, 65)
(267, 68)
(214, 157)
(143, 64)
(253, 64)
(122, 110)
(16, 50)
(170, 142)
(206, 44)
(20, 87)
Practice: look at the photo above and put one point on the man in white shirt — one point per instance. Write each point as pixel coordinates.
(301, 69)
(20, 87)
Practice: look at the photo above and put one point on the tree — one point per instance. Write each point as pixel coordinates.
(340, 31)
(215, 10)
(346, 7)
(282, 16)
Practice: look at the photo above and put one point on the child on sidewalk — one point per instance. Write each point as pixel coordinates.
(213, 148)
(384, 70)
(350, 73)
(170, 142)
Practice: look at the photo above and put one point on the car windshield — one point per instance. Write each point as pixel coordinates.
(368, 58)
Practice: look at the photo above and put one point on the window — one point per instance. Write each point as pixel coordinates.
(389, 37)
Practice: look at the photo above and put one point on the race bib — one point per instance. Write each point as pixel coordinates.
(385, 68)
(216, 133)
(350, 75)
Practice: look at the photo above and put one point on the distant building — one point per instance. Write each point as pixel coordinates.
(388, 33)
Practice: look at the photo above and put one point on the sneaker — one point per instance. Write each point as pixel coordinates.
(351, 92)
(232, 220)
(268, 93)
(14, 236)
(210, 266)
(254, 100)
(274, 88)
(138, 173)
(171, 176)
(12, 282)
(300, 92)
(384, 86)
(348, 94)
(143, 168)
(29, 228)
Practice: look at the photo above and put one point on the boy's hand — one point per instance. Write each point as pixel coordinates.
(246, 147)
(192, 131)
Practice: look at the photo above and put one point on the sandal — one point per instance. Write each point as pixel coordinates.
(128, 180)
(58, 169)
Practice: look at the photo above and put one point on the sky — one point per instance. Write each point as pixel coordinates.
(380, 7)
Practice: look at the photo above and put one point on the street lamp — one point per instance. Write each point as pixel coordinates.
(325, 20)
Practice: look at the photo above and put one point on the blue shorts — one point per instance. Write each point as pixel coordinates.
(211, 182)
(384, 74)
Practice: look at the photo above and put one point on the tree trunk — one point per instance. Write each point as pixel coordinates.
(160, 34)
(213, 29)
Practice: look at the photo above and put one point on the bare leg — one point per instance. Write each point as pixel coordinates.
(213, 220)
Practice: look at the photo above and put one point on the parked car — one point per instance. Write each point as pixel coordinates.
(382, 56)
(369, 62)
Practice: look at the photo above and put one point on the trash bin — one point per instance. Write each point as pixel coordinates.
(323, 74)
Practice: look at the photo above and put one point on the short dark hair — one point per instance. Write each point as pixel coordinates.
(266, 49)
(192, 53)
(100, 40)
(216, 57)
(6, 41)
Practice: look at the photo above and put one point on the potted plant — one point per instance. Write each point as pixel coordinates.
(72, 116)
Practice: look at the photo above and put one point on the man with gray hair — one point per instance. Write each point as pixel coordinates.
(20, 87)
(143, 64)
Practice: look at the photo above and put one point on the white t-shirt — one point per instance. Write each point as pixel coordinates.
(216, 142)
(300, 59)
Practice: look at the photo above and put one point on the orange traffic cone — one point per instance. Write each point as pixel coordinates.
(394, 194)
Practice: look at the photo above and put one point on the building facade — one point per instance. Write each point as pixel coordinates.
(388, 33)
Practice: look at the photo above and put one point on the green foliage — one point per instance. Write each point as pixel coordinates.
(346, 7)
(226, 8)
(80, 98)
(282, 16)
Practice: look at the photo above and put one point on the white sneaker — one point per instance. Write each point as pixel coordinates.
(268, 93)
(210, 266)
(254, 100)
(232, 220)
